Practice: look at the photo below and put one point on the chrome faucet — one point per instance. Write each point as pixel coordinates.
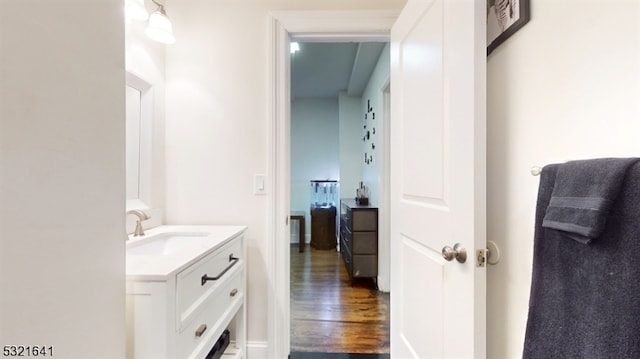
(142, 216)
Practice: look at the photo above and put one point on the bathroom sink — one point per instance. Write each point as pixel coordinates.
(164, 243)
(166, 250)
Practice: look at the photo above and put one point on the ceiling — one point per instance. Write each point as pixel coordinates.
(322, 70)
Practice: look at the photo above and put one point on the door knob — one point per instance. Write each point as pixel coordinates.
(448, 253)
(457, 252)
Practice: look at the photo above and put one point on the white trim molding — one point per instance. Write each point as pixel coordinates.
(337, 26)
(278, 201)
(257, 350)
(325, 26)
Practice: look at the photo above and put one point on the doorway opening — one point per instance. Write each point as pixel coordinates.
(337, 119)
(327, 26)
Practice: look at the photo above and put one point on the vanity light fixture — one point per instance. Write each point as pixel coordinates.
(135, 10)
(159, 27)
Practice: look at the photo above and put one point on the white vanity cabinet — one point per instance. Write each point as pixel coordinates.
(179, 311)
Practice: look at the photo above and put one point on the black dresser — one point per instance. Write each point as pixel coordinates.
(359, 239)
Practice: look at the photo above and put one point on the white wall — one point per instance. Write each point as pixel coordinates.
(314, 149)
(566, 86)
(373, 95)
(351, 157)
(62, 180)
(217, 114)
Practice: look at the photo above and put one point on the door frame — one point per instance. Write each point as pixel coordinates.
(326, 26)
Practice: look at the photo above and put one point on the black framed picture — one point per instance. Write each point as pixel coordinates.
(504, 18)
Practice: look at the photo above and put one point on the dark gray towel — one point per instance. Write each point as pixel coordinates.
(583, 194)
(585, 300)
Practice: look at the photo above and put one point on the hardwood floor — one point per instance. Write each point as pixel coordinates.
(301, 355)
(330, 315)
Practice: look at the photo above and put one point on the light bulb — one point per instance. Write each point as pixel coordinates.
(160, 28)
(295, 47)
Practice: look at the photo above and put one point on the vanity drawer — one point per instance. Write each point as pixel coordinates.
(192, 287)
(199, 336)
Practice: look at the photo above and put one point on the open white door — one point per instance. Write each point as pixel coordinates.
(438, 60)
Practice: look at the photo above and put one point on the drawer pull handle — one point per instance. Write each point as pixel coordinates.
(234, 291)
(201, 329)
(233, 260)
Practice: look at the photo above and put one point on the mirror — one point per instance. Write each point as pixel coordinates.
(133, 142)
(139, 102)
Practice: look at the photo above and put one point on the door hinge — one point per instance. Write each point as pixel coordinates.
(481, 257)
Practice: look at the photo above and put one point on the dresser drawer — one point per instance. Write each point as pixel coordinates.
(365, 243)
(364, 220)
(192, 288)
(345, 234)
(207, 325)
(364, 265)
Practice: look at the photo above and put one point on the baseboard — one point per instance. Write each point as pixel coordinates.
(306, 241)
(257, 350)
(383, 284)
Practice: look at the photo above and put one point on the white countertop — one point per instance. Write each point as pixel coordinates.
(161, 267)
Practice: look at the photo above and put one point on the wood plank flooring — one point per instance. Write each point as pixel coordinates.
(330, 315)
(304, 355)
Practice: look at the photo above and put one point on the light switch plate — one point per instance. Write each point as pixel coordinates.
(260, 184)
